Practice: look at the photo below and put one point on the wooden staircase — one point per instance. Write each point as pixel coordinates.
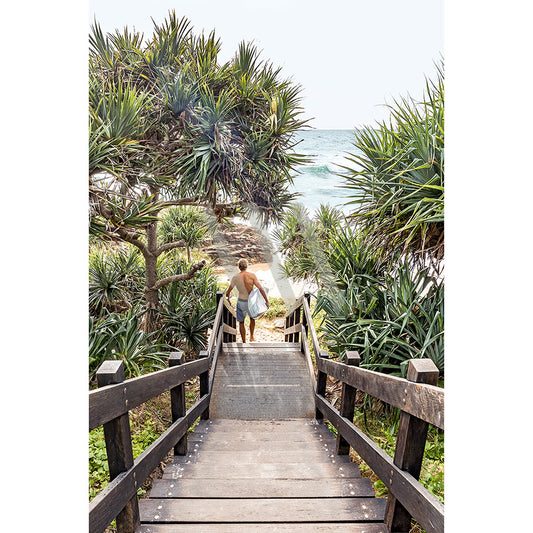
(262, 381)
(247, 476)
(262, 462)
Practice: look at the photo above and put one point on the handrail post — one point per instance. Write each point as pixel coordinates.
(410, 444)
(321, 379)
(220, 296)
(347, 403)
(305, 325)
(204, 384)
(297, 320)
(177, 402)
(118, 446)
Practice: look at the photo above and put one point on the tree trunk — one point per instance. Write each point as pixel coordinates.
(151, 294)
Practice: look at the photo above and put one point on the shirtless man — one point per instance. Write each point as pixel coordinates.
(244, 282)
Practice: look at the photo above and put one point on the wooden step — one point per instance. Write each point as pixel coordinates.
(317, 527)
(295, 425)
(262, 471)
(265, 455)
(268, 510)
(259, 345)
(261, 383)
(263, 488)
(270, 475)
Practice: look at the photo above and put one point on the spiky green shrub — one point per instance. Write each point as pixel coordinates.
(394, 319)
(119, 337)
(188, 309)
(187, 224)
(397, 177)
(115, 279)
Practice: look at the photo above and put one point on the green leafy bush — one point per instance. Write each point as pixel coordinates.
(188, 308)
(120, 337)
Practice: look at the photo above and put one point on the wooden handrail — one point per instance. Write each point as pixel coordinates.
(111, 401)
(216, 325)
(109, 406)
(419, 399)
(421, 403)
(422, 505)
(112, 499)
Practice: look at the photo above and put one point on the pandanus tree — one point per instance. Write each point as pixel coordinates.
(171, 126)
(397, 178)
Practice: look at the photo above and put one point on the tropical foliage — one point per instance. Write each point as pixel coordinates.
(169, 125)
(379, 270)
(397, 178)
(116, 276)
(119, 337)
(187, 224)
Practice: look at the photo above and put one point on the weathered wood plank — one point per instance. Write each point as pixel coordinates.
(421, 400)
(255, 439)
(214, 362)
(108, 503)
(177, 401)
(262, 510)
(297, 328)
(257, 345)
(410, 443)
(308, 360)
(295, 306)
(262, 471)
(229, 307)
(283, 426)
(318, 527)
(111, 401)
(229, 329)
(251, 443)
(216, 324)
(347, 406)
(264, 455)
(422, 505)
(118, 446)
(263, 488)
(312, 332)
(254, 385)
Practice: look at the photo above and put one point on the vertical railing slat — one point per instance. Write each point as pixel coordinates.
(347, 403)
(410, 444)
(177, 402)
(118, 445)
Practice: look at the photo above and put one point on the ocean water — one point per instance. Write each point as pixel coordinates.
(318, 182)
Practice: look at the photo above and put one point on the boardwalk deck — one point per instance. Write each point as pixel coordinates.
(262, 381)
(262, 463)
(287, 478)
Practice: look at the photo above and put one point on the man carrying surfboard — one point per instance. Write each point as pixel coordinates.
(244, 282)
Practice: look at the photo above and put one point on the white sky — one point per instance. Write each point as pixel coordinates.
(349, 56)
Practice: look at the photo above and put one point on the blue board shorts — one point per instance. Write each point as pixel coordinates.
(242, 310)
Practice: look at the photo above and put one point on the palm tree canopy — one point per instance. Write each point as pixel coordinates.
(170, 125)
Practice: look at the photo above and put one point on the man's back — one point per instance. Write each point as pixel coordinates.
(244, 282)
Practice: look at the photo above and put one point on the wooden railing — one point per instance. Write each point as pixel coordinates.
(420, 401)
(109, 406)
(229, 319)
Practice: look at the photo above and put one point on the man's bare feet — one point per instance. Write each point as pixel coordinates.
(252, 340)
